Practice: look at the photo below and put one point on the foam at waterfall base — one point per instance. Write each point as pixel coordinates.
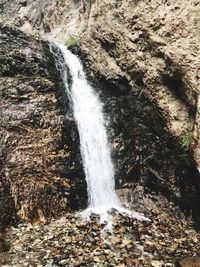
(104, 213)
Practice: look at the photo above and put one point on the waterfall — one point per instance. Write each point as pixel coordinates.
(88, 113)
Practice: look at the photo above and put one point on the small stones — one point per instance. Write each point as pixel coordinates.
(94, 217)
(156, 263)
(68, 240)
(72, 242)
(150, 247)
(134, 262)
(169, 264)
(63, 262)
(2, 259)
(96, 259)
(126, 242)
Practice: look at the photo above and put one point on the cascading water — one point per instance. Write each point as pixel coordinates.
(95, 152)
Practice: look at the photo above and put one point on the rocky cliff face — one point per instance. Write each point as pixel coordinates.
(36, 147)
(143, 59)
(145, 55)
(153, 45)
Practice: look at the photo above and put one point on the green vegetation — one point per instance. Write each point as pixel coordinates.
(186, 141)
(72, 40)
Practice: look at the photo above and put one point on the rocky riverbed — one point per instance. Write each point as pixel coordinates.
(70, 241)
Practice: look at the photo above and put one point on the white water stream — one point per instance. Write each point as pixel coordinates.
(95, 152)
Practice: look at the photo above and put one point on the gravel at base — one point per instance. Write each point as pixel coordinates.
(72, 242)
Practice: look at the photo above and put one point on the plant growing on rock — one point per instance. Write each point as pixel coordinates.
(186, 141)
(71, 41)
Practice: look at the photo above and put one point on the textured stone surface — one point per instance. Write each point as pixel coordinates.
(145, 57)
(70, 241)
(190, 262)
(36, 142)
(154, 45)
(148, 52)
(146, 155)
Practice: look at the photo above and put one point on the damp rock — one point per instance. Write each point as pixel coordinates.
(4, 245)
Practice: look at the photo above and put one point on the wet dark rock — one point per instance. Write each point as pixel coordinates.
(4, 246)
(94, 216)
(113, 211)
(149, 162)
(39, 150)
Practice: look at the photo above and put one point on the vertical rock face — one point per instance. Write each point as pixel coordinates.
(154, 45)
(150, 163)
(36, 141)
(197, 133)
(7, 207)
(152, 56)
(146, 54)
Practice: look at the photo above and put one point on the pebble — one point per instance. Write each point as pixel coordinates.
(155, 263)
(190, 262)
(63, 262)
(131, 243)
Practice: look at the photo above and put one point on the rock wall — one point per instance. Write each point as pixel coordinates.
(151, 166)
(37, 154)
(154, 45)
(146, 58)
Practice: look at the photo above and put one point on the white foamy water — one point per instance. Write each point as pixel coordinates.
(95, 152)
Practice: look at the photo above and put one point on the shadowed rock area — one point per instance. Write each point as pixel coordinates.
(37, 146)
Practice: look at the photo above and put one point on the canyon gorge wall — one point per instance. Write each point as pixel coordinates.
(143, 58)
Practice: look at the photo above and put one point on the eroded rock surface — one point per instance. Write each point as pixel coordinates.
(150, 52)
(36, 139)
(145, 56)
(153, 45)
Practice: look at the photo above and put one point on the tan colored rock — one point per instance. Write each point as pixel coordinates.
(197, 133)
(190, 262)
(156, 263)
